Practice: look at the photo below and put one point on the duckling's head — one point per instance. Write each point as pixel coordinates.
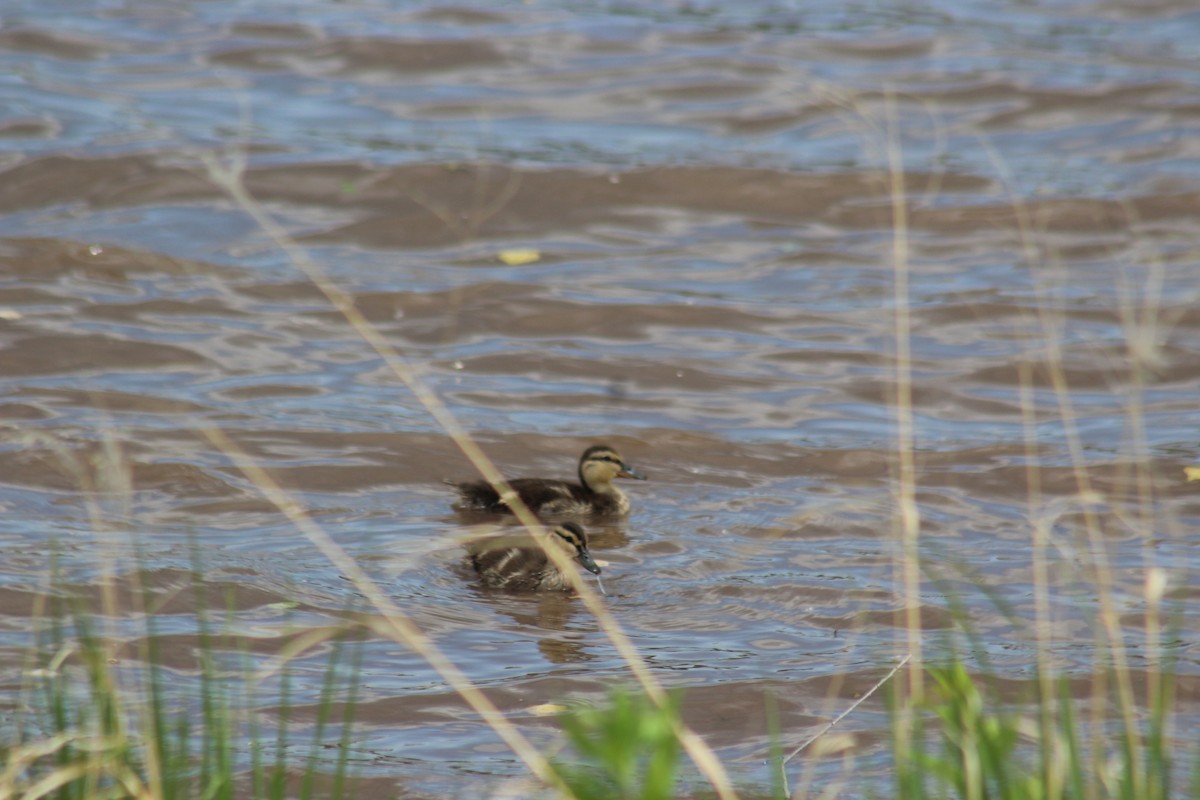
(574, 541)
(600, 464)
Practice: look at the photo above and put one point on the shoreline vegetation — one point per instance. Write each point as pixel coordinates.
(95, 722)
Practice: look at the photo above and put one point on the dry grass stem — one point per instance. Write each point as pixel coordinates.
(396, 623)
(703, 757)
(830, 725)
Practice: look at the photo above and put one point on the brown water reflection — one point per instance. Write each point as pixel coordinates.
(715, 211)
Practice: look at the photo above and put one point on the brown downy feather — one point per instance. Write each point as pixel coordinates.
(518, 564)
(595, 493)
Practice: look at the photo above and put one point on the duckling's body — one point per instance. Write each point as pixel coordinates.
(518, 564)
(595, 494)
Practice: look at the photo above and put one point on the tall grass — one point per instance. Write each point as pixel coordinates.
(93, 726)
(625, 748)
(965, 742)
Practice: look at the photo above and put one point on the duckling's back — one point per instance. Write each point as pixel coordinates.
(541, 495)
(517, 569)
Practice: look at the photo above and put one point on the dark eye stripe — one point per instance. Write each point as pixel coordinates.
(571, 538)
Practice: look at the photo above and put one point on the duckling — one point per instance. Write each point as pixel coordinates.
(516, 563)
(594, 494)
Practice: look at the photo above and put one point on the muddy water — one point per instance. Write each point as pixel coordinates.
(712, 191)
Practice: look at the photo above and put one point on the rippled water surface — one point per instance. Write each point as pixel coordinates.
(728, 290)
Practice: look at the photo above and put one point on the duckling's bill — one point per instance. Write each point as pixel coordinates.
(629, 472)
(585, 558)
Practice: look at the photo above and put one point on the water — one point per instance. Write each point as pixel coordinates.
(709, 187)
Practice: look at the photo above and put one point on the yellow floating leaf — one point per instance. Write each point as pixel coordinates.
(547, 709)
(1192, 473)
(519, 256)
(283, 605)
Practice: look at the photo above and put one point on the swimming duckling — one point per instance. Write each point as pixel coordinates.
(517, 563)
(594, 494)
